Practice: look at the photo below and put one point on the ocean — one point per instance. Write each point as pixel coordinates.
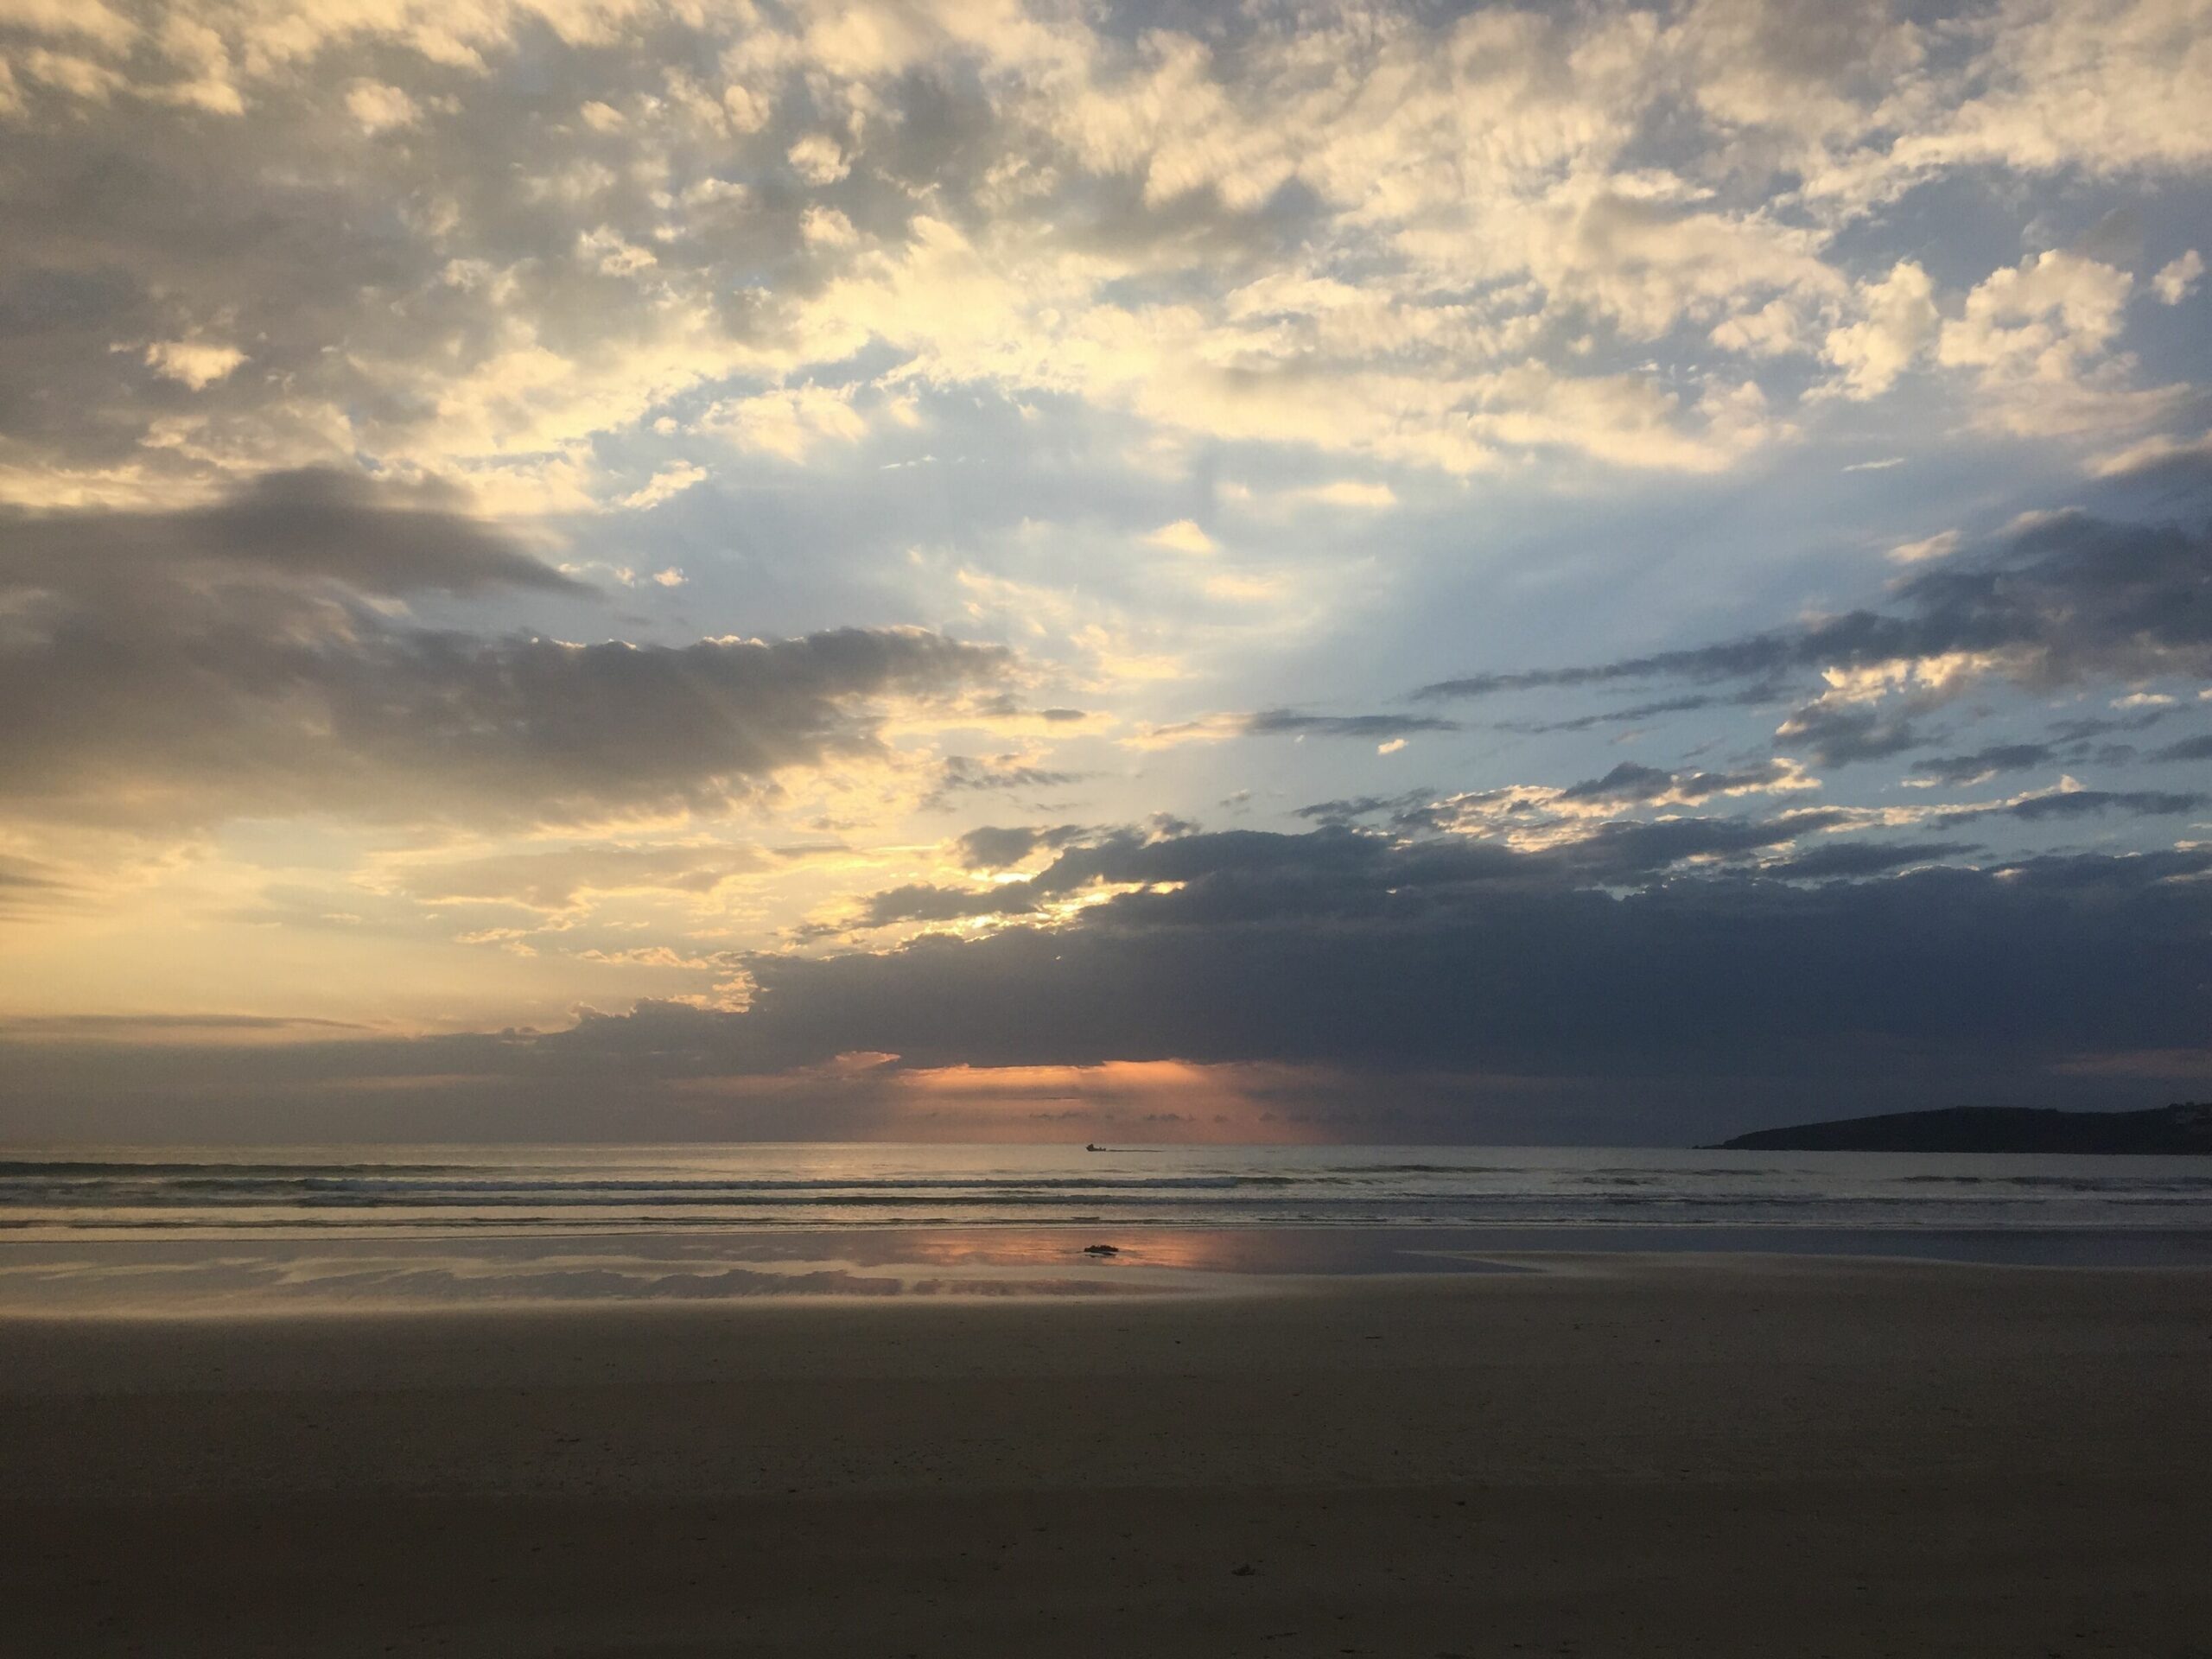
(178, 1228)
(414, 1189)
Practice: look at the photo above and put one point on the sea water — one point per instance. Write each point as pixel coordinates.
(579, 1188)
(178, 1228)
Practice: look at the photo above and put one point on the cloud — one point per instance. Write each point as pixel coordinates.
(563, 879)
(2190, 749)
(1940, 545)
(1286, 722)
(160, 1024)
(198, 363)
(2178, 278)
(1181, 536)
(2038, 337)
(29, 888)
(2063, 599)
(380, 108)
(1290, 722)
(1501, 835)
(243, 659)
(1898, 325)
(1377, 962)
(1371, 231)
(2069, 801)
(1631, 783)
(789, 424)
(1349, 492)
(428, 726)
(309, 525)
(960, 774)
(1331, 950)
(1655, 709)
(817, 159)
(920, 902)
(2109, 87)
(998, 848)
(664, 486)
(1350, 809)
(2163, 452)
(1541, 817)
(1839, 860)
(2059, 601)
(1512, 326)
(1839, 734)
(1960, 770)
(728, 202)
(1125, 859)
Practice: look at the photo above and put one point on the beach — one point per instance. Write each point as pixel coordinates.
(1597, 1453)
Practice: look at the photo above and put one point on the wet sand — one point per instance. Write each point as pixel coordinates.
(1635, 1455)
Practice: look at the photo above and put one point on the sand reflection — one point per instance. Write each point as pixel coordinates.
(184, 1275)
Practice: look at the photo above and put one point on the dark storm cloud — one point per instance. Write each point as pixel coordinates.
(2067, 743)
(195, 666)
(313, 524)
(1837, 735)
(1007, 706)
(2082, 730)
(1741, 658)
(1284, 723)
(1120, 857)
(1352, 808)
(1835, 858)
(962, 774)
(1630, 851)
(1244, 867)
(1630, 782)
(225, 719)
(1341, 952)
(1653, 711)
(996, 847)
(1289, 722)
(1344, 951)
(27, 886)
(2190, 749)
(1224, 860)
(1960, 769)
(921, 902)
(2083, 803)
(2065, 600)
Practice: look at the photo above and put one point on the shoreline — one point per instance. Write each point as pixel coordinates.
(207, 1275)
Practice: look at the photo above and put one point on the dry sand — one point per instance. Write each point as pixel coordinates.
(1631, 1455)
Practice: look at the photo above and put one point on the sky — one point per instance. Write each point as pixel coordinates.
(693, 570)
